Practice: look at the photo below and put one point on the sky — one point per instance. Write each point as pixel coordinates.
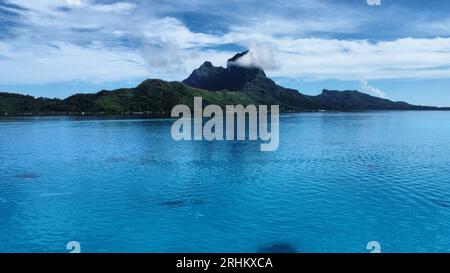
(398, 50)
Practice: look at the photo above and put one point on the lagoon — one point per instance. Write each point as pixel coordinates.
(336, 182)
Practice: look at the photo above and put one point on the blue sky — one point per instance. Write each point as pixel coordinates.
(399, 50)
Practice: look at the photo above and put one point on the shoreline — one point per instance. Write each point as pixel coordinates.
(158, 116)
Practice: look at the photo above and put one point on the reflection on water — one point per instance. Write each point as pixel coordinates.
(337, 182)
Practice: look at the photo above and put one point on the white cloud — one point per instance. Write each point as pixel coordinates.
(259, 55)
(366, 88)
(359, 60)
(73, 2)
(106, 46)
(66, 62)
(115, 7)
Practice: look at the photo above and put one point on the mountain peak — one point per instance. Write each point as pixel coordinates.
(232, 61)
(207, 64)
(233, 78)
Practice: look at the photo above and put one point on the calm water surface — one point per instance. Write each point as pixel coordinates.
(337, 182)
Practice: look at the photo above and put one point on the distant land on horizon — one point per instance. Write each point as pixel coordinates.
(235, 84)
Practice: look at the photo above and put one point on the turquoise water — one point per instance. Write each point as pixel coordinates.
(337, 181)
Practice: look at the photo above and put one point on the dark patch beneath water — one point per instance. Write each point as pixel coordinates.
(173, 203)
(441, 203)
(27, 175)
(278, 248)
(147, 160)
(116, 159)
(182, 203)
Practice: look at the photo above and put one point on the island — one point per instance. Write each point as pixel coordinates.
(232, 85)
